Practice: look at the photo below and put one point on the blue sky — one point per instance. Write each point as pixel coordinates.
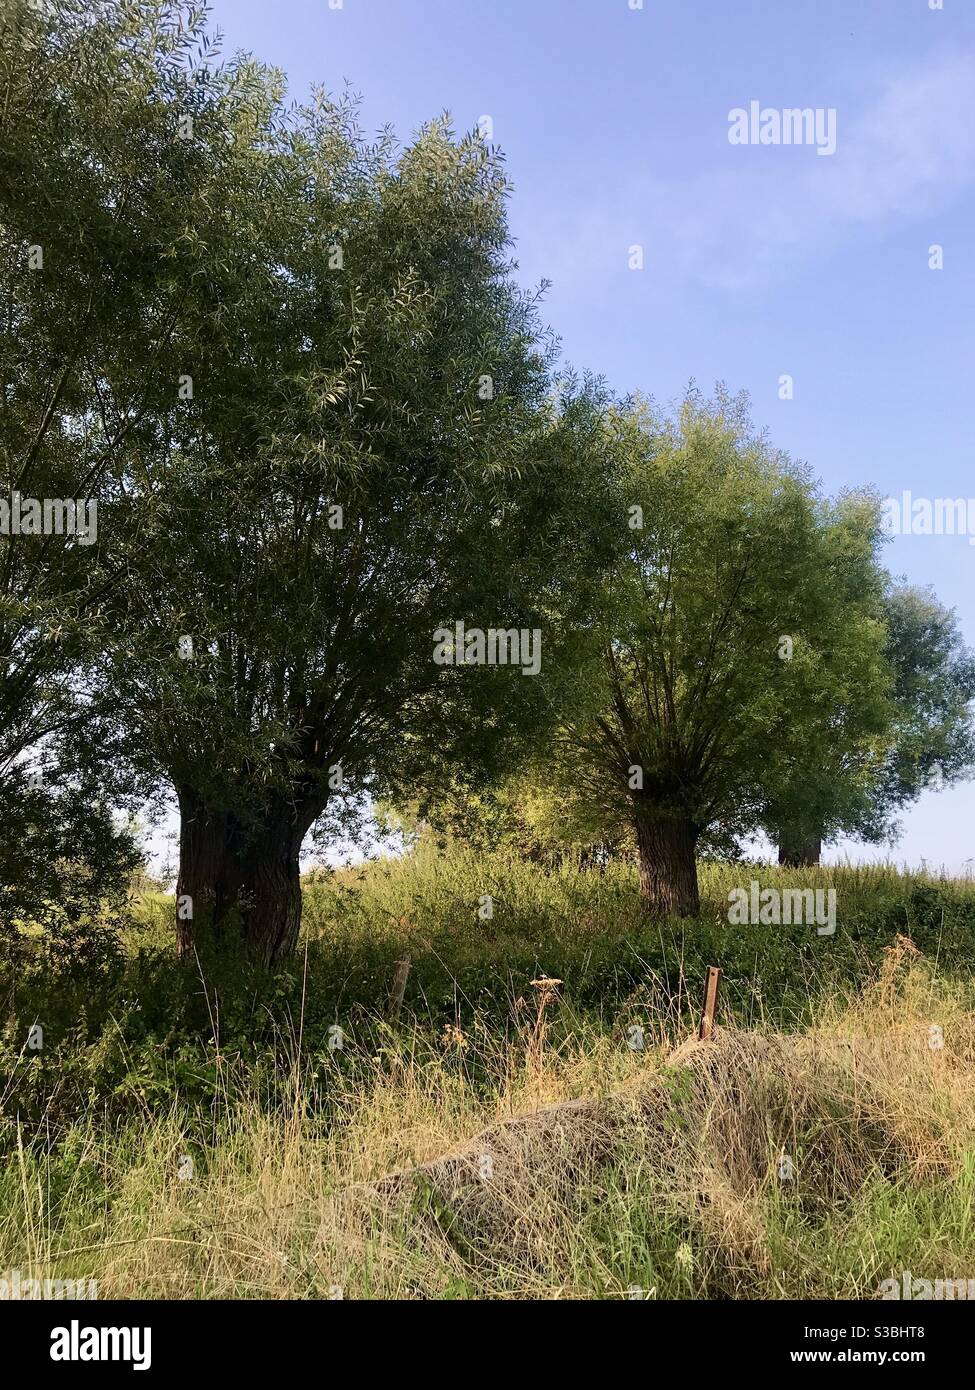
(759, 260)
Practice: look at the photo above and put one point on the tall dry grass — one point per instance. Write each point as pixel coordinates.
(760, 1166)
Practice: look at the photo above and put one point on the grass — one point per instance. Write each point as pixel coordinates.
(205, 1138)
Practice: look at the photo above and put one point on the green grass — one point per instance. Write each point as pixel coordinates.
(146, 1063)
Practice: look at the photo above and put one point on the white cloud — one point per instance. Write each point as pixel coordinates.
(908, 151)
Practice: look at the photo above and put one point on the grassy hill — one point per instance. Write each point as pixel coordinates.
(538, 1122)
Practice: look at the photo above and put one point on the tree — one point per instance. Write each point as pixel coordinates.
(528, 810)
(99, 201)
(367, 450)
(319, 421)
(63, 856)
(743, 609)
(858, 789)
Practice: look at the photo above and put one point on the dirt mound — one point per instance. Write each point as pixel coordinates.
(720, 1122)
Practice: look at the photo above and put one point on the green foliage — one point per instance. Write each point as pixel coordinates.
(293, 368)
(856, 784)
(522, 811)
(338, 479)
(65, 858)
(738, 627)
(97, 200)
(934, 742)
(100, 208)
(125, 1026)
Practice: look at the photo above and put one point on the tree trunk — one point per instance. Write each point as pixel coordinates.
(239, 888)
(800, 851)
(208, 885)
(668, 866)
(271, 893)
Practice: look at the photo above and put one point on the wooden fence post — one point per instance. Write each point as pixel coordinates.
(399, 987)
(710, 1002)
